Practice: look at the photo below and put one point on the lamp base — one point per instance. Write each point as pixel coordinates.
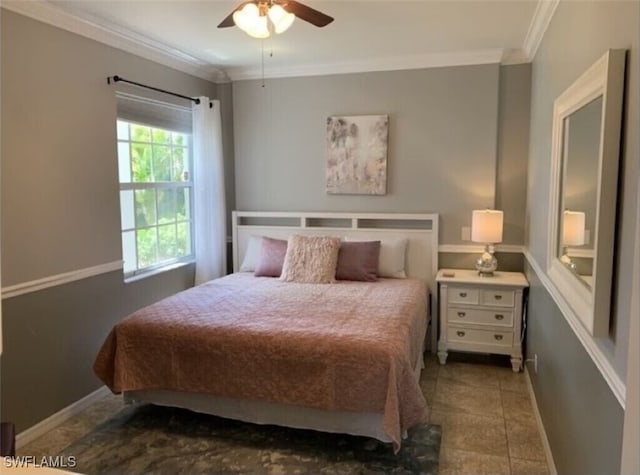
(566, 260)
(487, 263)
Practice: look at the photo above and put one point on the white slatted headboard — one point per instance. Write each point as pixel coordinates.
(421, 230)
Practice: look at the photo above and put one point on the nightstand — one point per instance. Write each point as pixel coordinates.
(481, 314)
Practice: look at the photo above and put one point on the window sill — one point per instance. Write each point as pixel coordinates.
(151, 273)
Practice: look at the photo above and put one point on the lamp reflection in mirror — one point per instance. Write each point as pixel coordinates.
(252, 19)
(573, 224)
(486, 228)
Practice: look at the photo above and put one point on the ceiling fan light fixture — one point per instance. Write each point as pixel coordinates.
(259, 29)
(246, 17)
(251, 16)
(280, 18)
(249, 20)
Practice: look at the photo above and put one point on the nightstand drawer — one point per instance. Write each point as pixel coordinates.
(500, 298)
(460, 315)
(463, 295)
(482, 337)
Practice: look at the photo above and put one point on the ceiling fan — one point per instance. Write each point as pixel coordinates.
(258, 17)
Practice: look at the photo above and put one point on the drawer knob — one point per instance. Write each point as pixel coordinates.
(463, 294)
(462, 314)
(498, 297)
(499, 316)
(460, 334)
(498, 337)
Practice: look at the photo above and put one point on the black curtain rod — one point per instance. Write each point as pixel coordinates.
(120, 79)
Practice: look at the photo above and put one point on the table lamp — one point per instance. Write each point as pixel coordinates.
(573, 234)
(486, 228)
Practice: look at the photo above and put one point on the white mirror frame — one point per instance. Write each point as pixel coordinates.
(605, 78)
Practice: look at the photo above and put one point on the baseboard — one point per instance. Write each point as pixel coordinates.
(51, 422)
(539, 423)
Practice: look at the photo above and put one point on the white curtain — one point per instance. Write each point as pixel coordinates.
(208, 187)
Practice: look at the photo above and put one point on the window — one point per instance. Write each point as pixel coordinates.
(155, 196)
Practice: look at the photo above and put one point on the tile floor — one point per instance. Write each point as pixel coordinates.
(487, 420)
(488, 425)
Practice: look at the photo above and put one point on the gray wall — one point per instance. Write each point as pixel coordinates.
(582, 417)
(513, 150)
(60, 209)
(59, 143)
(580, 33)
(444, 142)
(51, 338)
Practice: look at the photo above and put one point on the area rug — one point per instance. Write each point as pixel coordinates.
(148, 439)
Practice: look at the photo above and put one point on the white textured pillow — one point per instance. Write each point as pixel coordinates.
(311, 259)
(252, 254)
(391, 262)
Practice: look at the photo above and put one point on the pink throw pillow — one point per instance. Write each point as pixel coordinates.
(358, 261)
(311, 259)
(272, 252)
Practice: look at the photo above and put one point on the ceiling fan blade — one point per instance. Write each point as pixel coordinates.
(306, 13)
(227, 22)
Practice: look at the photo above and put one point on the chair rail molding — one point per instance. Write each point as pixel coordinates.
(59, 279)
(614, 381)
(479, 248)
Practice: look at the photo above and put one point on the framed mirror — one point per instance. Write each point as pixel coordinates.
(587, 120)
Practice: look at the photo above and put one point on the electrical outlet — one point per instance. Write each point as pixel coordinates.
(466, 233)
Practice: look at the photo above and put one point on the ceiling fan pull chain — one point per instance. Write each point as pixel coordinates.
(262, 63)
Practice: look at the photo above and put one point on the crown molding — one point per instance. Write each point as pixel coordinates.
(117, 37)
(433, 60)
(538, 26)
(148, 48)
(514, 56)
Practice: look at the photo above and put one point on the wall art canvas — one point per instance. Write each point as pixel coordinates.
(357, 154)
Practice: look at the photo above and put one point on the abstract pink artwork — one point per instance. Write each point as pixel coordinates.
(357, 154)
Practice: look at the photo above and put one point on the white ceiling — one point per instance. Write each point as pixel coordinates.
(366, 35)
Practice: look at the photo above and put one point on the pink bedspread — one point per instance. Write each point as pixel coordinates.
(347, 346)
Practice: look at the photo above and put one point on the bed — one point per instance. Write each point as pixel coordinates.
(342, 357)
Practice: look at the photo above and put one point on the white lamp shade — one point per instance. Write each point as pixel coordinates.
(246, 18)
(280, 18)
(573, 223)
(260, 28)
(486, 226)
(250, 21)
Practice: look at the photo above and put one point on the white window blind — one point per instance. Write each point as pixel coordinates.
(148, 111)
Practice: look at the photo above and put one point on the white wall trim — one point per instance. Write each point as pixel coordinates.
(117, 37)
(51, 422)
(538, 26)
(514, 56)
(614, 381)
(434, 60)
(630, 461)
(543, 433)
(127, 40)
(478, 248)
(59, 279)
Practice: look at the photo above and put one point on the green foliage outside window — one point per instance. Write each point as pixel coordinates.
(159, 170)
